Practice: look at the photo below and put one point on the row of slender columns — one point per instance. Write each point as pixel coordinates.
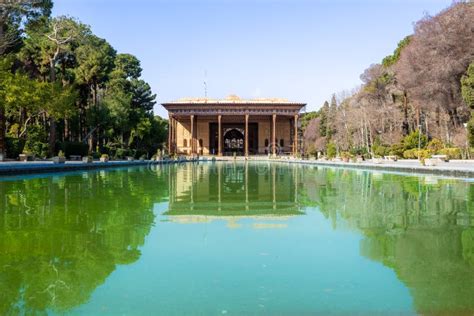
(172, 135)
(219, 135)
(246, 141)
(193, 142)
(274, 147)
(295, 138)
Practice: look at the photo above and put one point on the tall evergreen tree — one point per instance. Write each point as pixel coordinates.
(467, 89)
(323, 125)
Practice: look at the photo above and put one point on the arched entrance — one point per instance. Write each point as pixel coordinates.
(234, 141)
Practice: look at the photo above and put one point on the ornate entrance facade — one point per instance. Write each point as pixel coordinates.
(233, 126)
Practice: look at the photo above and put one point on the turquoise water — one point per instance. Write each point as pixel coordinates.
(236, 238)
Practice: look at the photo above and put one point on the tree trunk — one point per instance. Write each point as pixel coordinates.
(66, 130)
(52, 122)
(2, 131)
(405, 125)
(52, 136)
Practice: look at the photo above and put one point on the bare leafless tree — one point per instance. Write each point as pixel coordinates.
(431, 66)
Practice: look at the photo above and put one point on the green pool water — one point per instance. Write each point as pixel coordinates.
(236, 239)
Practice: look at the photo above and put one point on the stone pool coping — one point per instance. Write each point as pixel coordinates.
(454, 168)
(32, 167)
(459, 168)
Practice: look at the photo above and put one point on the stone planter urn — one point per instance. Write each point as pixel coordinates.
(130, 158)
(104, 159)
(87, 159)
(25, 157)
(59, 159)
(2, 157)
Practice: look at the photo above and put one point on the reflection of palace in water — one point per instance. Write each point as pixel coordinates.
(202, 192)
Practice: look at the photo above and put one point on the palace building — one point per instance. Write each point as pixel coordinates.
(204, 126)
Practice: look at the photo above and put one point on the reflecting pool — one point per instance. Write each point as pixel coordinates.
(236, 238)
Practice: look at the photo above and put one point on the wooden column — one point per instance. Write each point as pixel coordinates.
(175, 127)
(295, 139)
(219, 135)
(192, 134)
(274, 135)
(246, 135)
(170, 131)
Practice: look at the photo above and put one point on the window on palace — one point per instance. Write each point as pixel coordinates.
(185, 142)
(266, 142)
(200, 142)
(282, 143)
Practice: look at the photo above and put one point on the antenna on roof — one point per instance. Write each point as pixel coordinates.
(205, 84)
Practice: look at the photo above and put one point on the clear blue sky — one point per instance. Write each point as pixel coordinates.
(303, 50)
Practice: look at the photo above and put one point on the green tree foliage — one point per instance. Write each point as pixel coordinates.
(324, 113)
(95, 58)
(16, 14)
(72, 85)
(418, 85)
(415, 140)
(307, 117)
(331, 117)
(467, 91)
(392, 59)
(331, 150)
(127, 66)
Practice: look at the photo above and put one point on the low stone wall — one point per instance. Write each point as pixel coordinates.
(461, 168)
(455, 169)
(17, 168)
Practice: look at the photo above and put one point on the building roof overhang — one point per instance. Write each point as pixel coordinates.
(230, 101)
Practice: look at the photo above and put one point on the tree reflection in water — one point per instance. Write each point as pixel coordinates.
(420, 226)
(62, 236)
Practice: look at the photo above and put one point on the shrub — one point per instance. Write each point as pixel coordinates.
(14, 146)
(470, 130)
(412, 140)
(415, 154)
(409, 154)
(331, 150)
(346, 155)
(140, 153)
(435, 145)
(311, 150)
(121, 153)
(452, 153)
(74, 148)
(423, 153)
(380, 150)
(396, 150)
(36, 141)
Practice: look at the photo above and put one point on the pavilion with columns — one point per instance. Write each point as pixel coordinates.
(233, 126)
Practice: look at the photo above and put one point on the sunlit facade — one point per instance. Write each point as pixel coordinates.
(203, 126)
